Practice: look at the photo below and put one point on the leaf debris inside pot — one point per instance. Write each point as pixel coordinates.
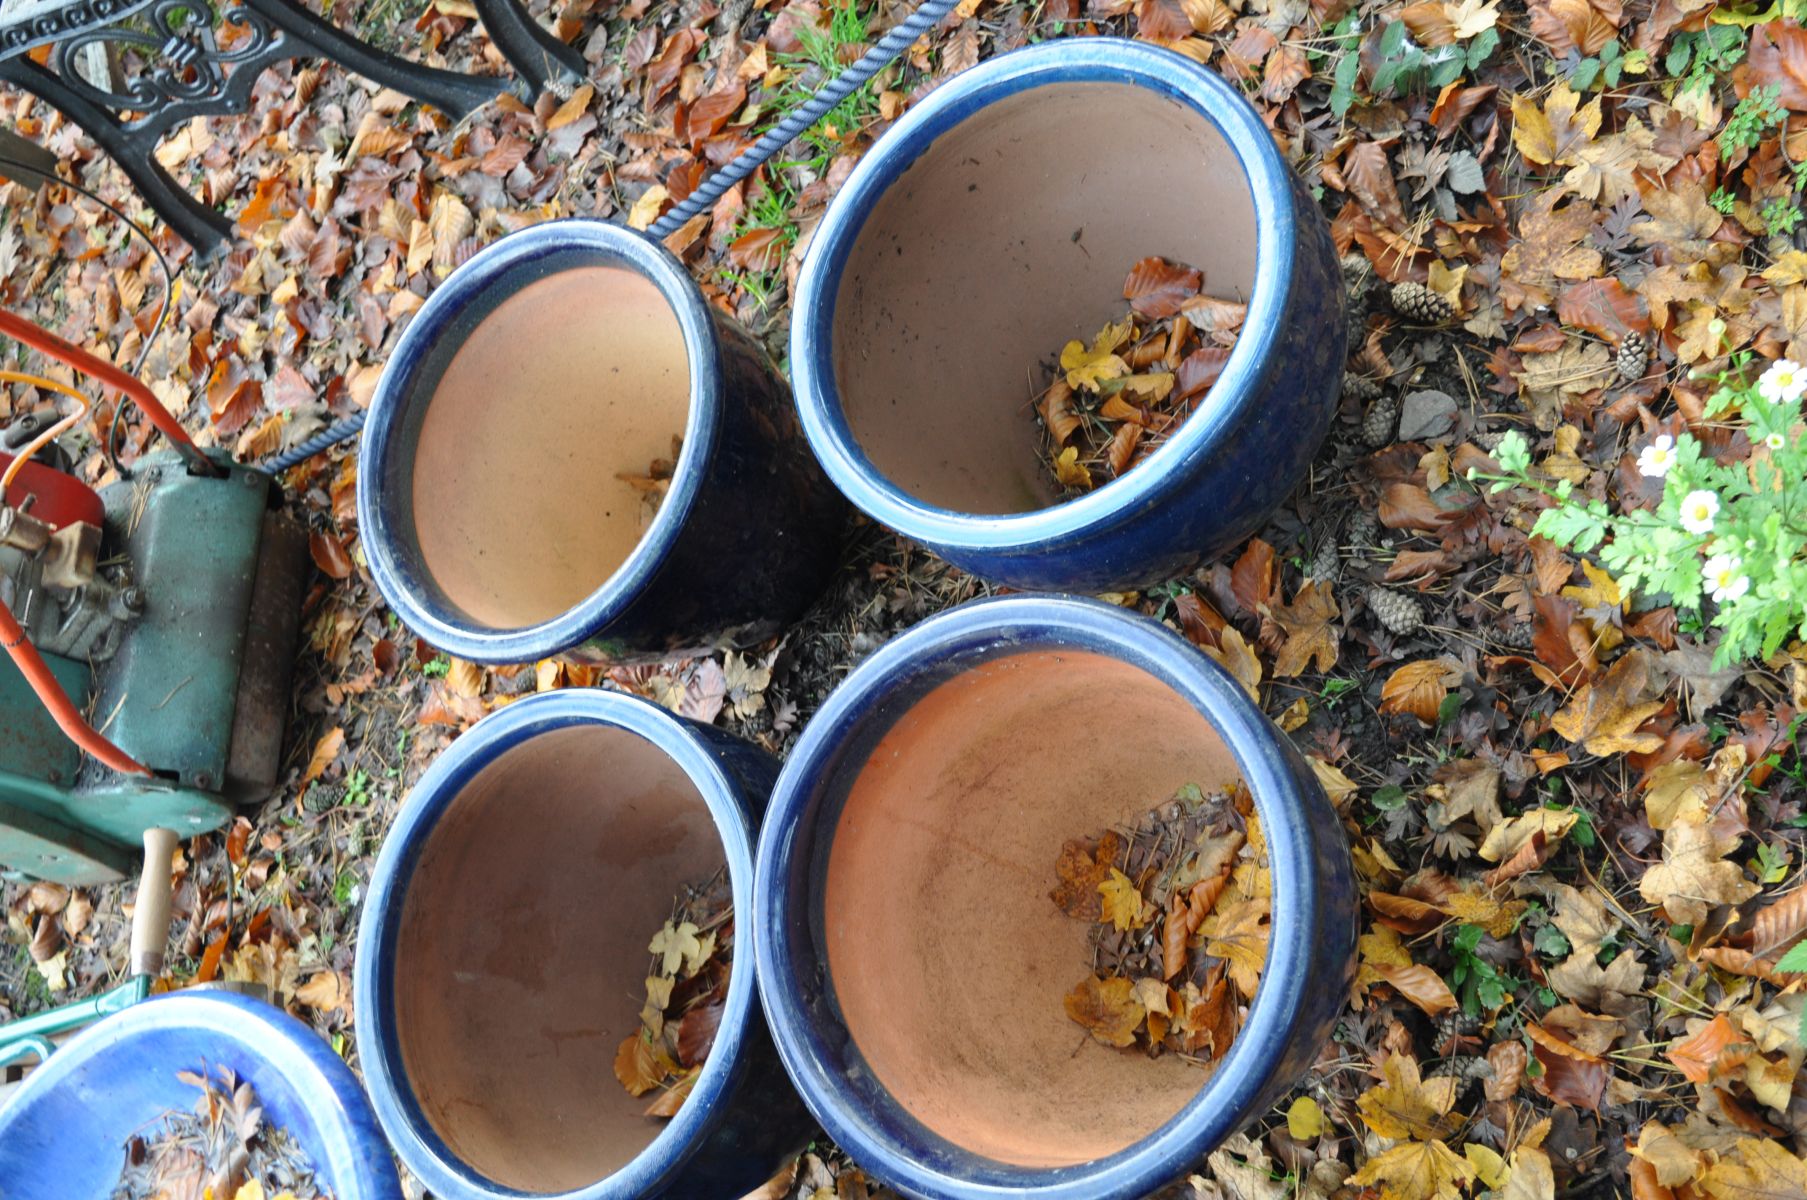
(1111, 403)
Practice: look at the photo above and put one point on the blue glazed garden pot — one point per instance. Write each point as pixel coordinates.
(997, 220)
(569, 453)
(503, 954)
(64, 1133)
(912, 962)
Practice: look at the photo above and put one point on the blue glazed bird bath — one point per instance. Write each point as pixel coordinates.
(64, 1133)
(503, 952)
(912, 964)
(570, 453)
(997, 219)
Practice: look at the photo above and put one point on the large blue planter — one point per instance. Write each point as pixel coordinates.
(911, 962)
(503, 947)
(997, 219)
(63, 1134)
(490, 499)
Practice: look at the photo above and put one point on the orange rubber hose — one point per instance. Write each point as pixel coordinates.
(69, 719)
(49, 435)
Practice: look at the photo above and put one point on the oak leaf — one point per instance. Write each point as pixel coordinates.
(1553, 134)
(1694, 874)
(1233, 654)
(1237, 933)
(1604, 716)
(1756, 1169)
(1107, 1009)
(1069, 471)
(1088, 367)
(1417, 1171)
(1406, 1105)
(1081, 869)
(1309, 632)
(1121, 902)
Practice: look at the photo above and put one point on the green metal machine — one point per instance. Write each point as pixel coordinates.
(178, 644)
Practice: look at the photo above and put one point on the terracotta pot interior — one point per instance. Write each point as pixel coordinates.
(1012, 233)
(521, 961)
(951, 975)
(576, 379)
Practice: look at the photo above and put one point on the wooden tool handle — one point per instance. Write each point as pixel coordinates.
(150, 915)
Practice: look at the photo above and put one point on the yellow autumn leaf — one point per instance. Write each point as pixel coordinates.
(1235, 657)
(1555, 132)
(1338, 786)
(1417, 1171)
(251, 1189)
(1601, 589)
(1505, 839)
(1404, 1104)
(1238, 936)
(1694, 874)
(1488, 1166)
(1107, 1009)
(1470, 18)
(1123, 905)
(1756, 1169)
(1088, 368)
(1070, 471)
(1150, 389)
(646, 208)
(1447, 282)
(1304, 1120)
(1532, 1177)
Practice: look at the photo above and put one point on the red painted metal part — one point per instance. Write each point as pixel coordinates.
(54, 498)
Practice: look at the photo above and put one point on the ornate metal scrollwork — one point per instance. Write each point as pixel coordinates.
(36, 25)
(185, 66)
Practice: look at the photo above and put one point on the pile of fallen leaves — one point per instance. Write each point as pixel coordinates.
(1113, 403)
(686, 988)
(221, 1148)
(1179, 905)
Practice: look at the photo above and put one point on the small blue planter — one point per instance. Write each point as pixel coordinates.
(63, 1134)
(999, 217)
(1310, 958)
(747, 502)
(742, 1118)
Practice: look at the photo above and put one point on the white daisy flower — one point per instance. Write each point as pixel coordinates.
(1655, 459)
(1698, 510)
(1783, 383)
(1775, 441)
(1723, 575)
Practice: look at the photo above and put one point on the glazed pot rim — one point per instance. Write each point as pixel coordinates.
(1074, 60)
(892, 1143)
(409, 1131)
(400, 576)
(261, 1031)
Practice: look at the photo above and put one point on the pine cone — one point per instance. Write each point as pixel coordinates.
(1381, 420)
(1516, 636)
(1358, 274)
(1398, 612)
(1363, 525)
(1326, 564)
(1360, 387)
(1634, 357)
(1418, 302)
(1490, 440)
